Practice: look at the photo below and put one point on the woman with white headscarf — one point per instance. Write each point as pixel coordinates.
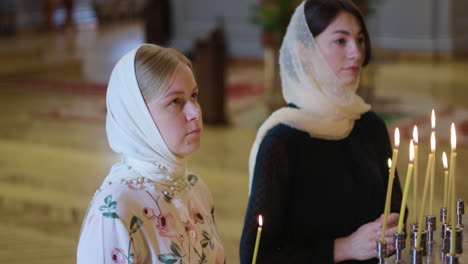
(149, 209)
(318, 168)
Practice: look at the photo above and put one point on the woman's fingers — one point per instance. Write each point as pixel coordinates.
(392, 219)
(390, 232)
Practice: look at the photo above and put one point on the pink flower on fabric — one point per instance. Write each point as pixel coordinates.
(166, 225)
(196, 214)
(149, 213)
(118, 256)
(191, 232)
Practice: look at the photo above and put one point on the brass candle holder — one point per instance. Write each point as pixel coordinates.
(399, 242)
(451, 259)
(423, 244)
(443, 215)
(460, 211)
(381, 251)
(430, 228)
(459, 238)
(416, 255)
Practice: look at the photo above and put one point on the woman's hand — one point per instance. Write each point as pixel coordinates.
(392, 226)
(361, 244)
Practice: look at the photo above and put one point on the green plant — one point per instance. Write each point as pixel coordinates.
(273, 16)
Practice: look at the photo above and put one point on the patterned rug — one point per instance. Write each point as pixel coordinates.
(92, 107)
(444, 118)
(241, 95)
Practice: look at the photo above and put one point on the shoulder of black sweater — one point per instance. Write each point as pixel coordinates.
(369, 123)
(371, 117)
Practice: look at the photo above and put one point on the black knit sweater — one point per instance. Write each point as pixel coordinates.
(312, 191)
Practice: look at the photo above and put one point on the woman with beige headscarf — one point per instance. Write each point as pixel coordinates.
(150, 209)
(318, 168)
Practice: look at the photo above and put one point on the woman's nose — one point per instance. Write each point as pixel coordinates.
(193, 111)
(356, 51)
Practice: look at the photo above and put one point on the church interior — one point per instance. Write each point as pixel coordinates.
(56, 62)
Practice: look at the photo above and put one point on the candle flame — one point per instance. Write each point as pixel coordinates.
(260, 220)
(444, 160)
(453, 138)
(415, 135)
(433, 120)
(433, 142)
(389, 162)
(397, 137)
(411, 151)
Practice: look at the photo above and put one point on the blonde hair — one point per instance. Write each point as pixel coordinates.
(154, 69)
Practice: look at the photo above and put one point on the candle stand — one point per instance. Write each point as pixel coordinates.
(445, 243)
(381, 251)
(430, 228)
(443, 215)
(416, 255)
(399, 240)
(459, 239)
(423, 244)
(460, 212)
(449, 259)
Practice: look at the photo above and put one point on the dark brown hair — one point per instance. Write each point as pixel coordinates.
(320, 13)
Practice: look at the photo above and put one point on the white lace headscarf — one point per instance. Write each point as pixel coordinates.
(132, 132)
(327, 108)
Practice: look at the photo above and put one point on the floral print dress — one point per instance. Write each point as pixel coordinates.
(140, 221)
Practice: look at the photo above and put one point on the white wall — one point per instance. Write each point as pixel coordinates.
(396, 25)
(460, 24)
(195, 18)
(28, 14)
(416, 25)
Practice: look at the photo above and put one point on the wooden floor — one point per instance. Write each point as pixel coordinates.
(51, 162)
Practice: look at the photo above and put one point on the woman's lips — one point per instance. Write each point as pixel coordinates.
(195, 131)
(352, 69)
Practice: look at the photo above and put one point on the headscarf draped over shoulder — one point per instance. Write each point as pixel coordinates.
(327, 108)
(132, 133)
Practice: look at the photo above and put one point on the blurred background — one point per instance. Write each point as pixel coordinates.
(56, 57)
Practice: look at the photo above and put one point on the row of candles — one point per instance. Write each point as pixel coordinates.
(412, 173)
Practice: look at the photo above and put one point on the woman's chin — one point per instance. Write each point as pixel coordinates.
(349, 80)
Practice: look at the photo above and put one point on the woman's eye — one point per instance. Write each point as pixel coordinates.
(361, 40)
(340, 41)
(195, 96)
(176, 101)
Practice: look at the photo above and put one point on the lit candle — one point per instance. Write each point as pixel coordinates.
(453, 158)
(395, 152)
(446, 177)
(257, 241)
(432, 168)
(415, 174)
(409, 172)
(387, 200)
(430, 160)
(392, 164)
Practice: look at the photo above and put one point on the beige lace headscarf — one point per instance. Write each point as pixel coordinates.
(327, 108)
